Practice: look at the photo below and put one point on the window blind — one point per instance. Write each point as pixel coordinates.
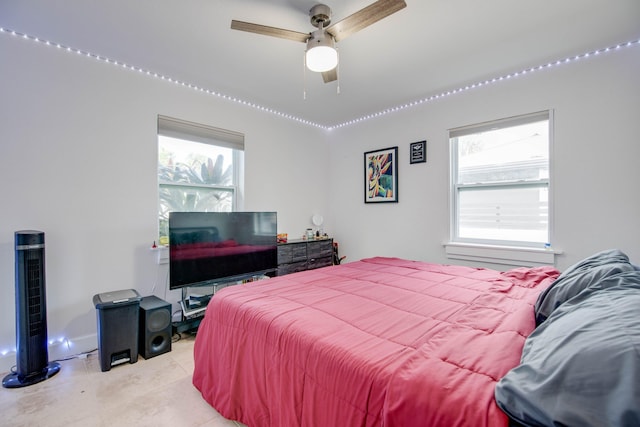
(190, 131)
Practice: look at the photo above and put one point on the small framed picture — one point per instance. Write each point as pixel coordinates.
(418, 152)
(381, 176)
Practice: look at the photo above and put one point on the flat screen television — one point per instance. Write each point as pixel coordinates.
(214, 247)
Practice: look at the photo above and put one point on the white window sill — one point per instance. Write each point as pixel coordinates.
(515, 256)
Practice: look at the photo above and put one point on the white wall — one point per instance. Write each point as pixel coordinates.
(596, 169)
(78, 160)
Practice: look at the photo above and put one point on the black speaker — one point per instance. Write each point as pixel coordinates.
(32, 355)
(155, 327)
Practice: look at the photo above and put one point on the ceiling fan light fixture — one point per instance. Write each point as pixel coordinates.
(321, 54)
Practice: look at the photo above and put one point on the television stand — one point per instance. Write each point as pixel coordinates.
(186, 325)
(194, 305)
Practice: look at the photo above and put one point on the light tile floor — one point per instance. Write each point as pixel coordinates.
(155, 392)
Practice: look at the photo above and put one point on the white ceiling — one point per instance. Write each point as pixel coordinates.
(429, 47)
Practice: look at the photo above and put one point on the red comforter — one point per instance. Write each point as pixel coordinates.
(378, 342)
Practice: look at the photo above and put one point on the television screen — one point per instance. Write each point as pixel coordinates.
(210, 247)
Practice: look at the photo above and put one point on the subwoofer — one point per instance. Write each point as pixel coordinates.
(32, 364)
(155, 327)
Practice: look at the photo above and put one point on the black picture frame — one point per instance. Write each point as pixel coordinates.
(381, 176)
(418, 152)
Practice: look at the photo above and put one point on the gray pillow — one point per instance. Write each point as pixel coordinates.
(579, 277)
(581, 367)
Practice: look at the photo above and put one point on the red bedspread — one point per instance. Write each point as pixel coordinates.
(378, 342)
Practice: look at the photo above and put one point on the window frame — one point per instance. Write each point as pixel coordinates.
(494, 250)
(204, 134)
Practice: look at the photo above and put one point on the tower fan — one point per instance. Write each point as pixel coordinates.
(32, 365)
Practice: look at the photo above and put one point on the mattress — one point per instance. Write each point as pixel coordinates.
(377, 342)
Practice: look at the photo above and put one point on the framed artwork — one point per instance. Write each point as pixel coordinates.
(381, 176)
(418, 152)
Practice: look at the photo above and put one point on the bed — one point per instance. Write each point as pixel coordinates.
(377, 342)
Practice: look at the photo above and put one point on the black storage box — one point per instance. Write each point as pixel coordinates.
(118, 320)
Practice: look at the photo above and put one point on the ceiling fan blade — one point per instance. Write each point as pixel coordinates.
(296, 36)
(365, 17)
(330, 76)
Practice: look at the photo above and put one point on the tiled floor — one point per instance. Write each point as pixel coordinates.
(155, 392)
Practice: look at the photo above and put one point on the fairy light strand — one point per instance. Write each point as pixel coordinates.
(262, 108)
(58, 343)
(487, 82)
(162, 77)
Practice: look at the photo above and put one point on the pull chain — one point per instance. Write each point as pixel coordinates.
(338, 72)
(304, 77)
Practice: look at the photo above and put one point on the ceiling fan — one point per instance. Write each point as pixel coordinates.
(321, 55)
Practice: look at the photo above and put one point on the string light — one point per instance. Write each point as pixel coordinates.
(7, 351)
(52, 343)
(491, 81)
(153, 74)
(268, 110)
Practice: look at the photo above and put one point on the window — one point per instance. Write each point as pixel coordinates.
(500, 182)
(199, 169)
